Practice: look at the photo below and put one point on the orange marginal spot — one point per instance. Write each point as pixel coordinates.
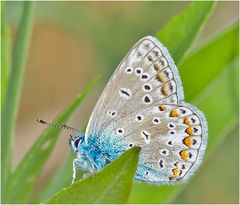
(189, 130)
(174, 113)
(184, 154)
(164, 91)
(160, 77)
(162, 107)
(176, 172)
(186, 121)
(187, 141)
(156, 67)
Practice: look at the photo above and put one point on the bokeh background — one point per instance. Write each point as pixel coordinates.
(72, 42)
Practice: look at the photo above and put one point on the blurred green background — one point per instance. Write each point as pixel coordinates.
(71, 43)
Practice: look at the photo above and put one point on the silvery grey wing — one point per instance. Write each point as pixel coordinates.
(143, 105)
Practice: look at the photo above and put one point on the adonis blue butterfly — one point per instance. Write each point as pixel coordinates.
(143, 105)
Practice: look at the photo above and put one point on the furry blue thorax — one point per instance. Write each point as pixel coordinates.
(94, 154)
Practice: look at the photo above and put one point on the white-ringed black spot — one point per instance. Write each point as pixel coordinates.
(156, 120)
(139, 118)
(172, 132)
(112, 113)
(195, 129)
(169, 142)
(183, 166)
(194, 142)
(144, 76)
(171, 125)
(147, 87)
(146, 173)
(138, 71)
(120, 131)
(164, 152)
(147, 99)
(130, 145)
(129, 70)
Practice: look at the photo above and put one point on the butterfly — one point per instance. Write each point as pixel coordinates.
(143, 105)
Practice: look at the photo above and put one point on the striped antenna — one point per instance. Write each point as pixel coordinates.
(61, 126)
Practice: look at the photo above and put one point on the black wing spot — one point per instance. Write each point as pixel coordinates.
(125, 92)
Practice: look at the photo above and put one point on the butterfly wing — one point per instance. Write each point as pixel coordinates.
(143, 105)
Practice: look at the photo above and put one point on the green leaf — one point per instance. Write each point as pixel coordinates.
(179, 34)
(14, 87)
(5, 53)
(31, 165)
(209, 60)
(61, 179)
(111, 185)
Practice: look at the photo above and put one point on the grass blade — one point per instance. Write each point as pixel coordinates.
(14, 88)
(31, 165)
(111, 185)
(179, 34)
(61, 179)
(209, 61)
(5, 53)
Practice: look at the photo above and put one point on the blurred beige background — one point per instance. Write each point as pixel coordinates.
(64, 57)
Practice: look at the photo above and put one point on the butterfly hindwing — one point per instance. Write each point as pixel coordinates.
(142, 105)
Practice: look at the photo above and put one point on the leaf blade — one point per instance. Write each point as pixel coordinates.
(214, 57)
(181, 31)
(32, 163)
(14, 87)
(111, 185)
(5, 53)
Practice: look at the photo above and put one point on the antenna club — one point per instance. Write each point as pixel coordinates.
(41, 121)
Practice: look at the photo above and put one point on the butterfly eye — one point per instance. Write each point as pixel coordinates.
(76, 142)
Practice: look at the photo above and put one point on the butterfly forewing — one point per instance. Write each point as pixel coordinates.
(142, 105)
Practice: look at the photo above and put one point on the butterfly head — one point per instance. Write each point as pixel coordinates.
(75, 142)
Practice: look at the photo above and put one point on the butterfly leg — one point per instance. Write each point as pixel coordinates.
(75, 161)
